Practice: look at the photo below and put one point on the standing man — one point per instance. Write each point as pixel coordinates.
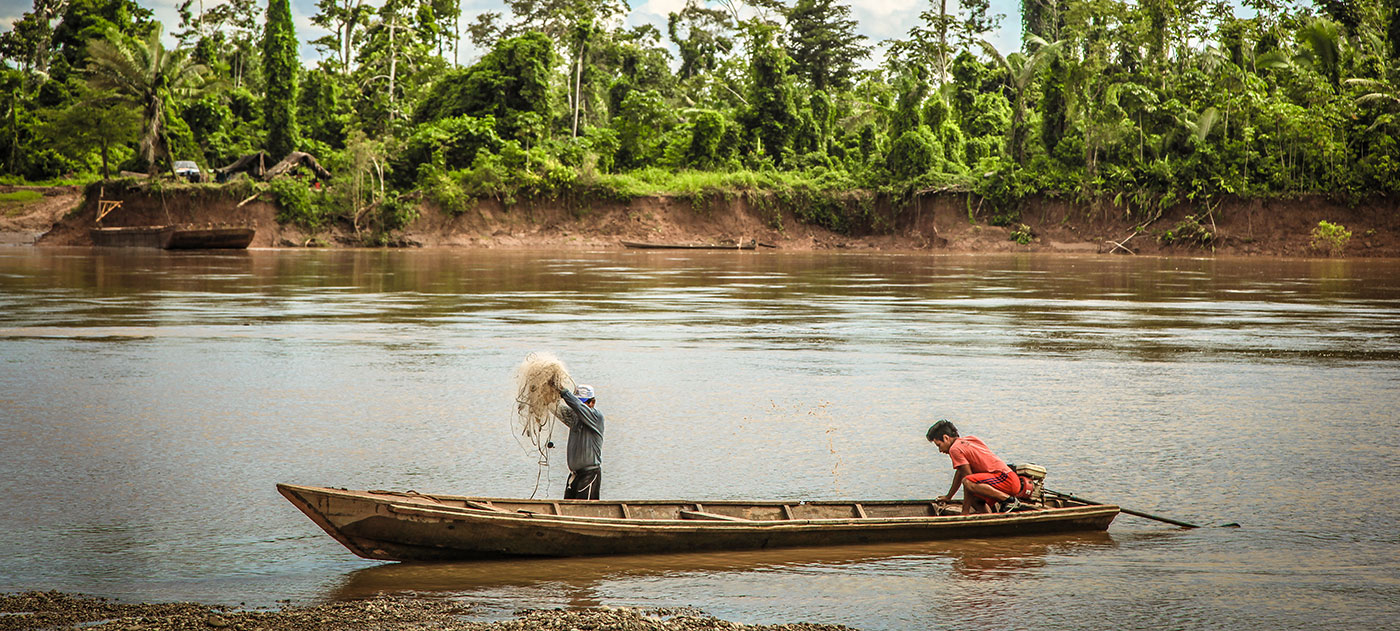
(978, 471)
(585, 443)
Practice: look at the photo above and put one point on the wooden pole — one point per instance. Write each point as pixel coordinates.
(1126, 510)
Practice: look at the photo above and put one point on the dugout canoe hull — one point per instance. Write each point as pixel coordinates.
(740, 245)
(172, 237)
(396, 526)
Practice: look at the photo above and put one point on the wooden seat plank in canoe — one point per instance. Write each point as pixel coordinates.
(695, 514)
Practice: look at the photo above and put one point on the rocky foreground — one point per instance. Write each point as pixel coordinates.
(55, 610)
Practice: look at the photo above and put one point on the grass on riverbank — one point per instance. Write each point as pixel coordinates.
(83, 180)
(13, 202)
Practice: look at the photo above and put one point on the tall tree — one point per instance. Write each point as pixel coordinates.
(823, 43)
(702, 35)
(232, 30)
(573, 25)
(30, 39)
(146, 75)
(345, 19)
(772, 114)
(99, 121)
(87, 20)
(1043, 18)
(976, 22)
(280, 66)
(396, 62)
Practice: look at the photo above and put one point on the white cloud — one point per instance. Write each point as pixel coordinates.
(660, 7)
(889, 7)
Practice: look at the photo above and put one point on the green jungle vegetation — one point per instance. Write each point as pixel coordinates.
(1142, 104)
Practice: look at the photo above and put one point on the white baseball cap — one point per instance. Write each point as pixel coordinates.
(584, 393)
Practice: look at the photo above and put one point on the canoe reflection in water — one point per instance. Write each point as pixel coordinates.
(579, 579)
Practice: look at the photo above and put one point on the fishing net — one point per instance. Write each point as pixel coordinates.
(537, 383)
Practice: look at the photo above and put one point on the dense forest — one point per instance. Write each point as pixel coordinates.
(1140, 104)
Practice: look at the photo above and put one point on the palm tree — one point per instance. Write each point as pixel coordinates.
(1377, 92)
(1324, 49)
(1021, 70)
(146, 75)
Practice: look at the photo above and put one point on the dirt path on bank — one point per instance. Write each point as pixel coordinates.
(944, 223)
(43, 611)
(23, 222)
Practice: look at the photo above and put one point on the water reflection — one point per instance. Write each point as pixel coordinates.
(1147, 310)
(976, 560)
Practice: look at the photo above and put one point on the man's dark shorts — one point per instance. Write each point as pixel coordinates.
(584, 483)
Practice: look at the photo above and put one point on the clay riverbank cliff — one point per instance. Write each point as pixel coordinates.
(934, 223)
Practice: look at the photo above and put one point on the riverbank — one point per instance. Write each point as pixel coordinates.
(938, 222)
(35, 611)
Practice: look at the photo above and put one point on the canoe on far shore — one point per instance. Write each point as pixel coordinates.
(175, 237)
(737, 245)
(411, 526)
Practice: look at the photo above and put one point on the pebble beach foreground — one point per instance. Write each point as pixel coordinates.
(56, 610)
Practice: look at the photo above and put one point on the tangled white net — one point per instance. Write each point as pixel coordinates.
(537, 383)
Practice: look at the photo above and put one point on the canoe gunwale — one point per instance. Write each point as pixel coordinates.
(649, 525)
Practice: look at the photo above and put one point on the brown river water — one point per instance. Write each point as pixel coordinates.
(150, 401)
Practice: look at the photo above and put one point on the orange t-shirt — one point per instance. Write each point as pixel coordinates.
(971, 451)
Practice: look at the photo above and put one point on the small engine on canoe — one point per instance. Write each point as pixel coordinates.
(1035, 475)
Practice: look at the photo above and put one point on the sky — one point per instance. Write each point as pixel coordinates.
(878, 19)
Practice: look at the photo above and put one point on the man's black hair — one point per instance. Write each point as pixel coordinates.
(940, 429)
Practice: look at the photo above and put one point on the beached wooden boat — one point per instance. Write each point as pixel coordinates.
(174, 237)
(211, 238)
(132, 236)
(398, 526)
(738, 245)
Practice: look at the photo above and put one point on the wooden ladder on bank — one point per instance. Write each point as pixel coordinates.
(105, 206)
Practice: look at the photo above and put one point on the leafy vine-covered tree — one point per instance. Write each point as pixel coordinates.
(1020, 71)
(280, 66)
(511, 84)
(772, 114)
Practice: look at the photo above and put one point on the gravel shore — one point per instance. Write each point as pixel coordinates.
(55, 610)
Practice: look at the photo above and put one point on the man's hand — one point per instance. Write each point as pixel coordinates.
(942, 499)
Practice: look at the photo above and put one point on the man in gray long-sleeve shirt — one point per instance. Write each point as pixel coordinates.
(585, 443)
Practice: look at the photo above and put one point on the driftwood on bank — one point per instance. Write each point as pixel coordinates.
(297, 159)
(255, 165)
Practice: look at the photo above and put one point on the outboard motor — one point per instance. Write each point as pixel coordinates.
(1035, 475)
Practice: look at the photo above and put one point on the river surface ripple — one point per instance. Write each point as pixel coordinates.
(149, 402)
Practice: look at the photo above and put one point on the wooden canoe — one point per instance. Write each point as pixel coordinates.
(398, 526)
(132, 236)
(741, 245)
(211, 238)
(174, 237)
